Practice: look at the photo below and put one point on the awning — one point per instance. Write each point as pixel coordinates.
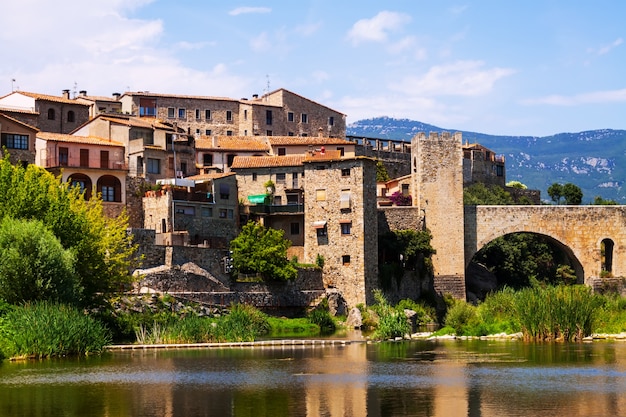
(258, 199)
(319, 224)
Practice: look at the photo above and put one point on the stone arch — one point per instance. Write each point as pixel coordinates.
(564, 248)
(110, 188)
(82, 181)
(607, 247)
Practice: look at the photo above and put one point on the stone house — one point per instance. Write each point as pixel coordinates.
(57, 114)
(99, 104)
(289, 145)
(154, 150)
(92, 163)
(482, 165)
(280, 112)
(217, 153)
(18, 138)
(341, 225)
(197, 210)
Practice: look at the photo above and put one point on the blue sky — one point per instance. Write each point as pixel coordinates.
(499, 67)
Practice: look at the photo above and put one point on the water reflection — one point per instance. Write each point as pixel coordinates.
(452, 378)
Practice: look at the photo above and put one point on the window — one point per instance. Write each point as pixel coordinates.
(295, 228)
(280, 178)
(71, 117)
(207, 114)
(294, 180)
(108, 193)
(229, 133)
(278, 200)
(187, 210)
(346, 227)
(345, 172)
(254, 176)
(268, 133)
(231, 213)
(223, 213)
(104, 159)
(290, 134)
(197, 114)
(321, 232)
(64, 154)
(229, 159)
(245, 115)
(198, 132)
(331, 121)
(229, 116)
(147, 107)
(268, 117)
(84, 157)
(51, 114)
(290, 116)
(320, 195)
(405, 189)
(182, 113)
(292, 199)
(344, 200)
(13, 141)
(153, 166)
(207, 159)
(207, 132)
(304, 118)
(341, 150)
(207, 211)
(224, 191)
(282, 151)
(110, 188)
(171, 112)
(345, 260)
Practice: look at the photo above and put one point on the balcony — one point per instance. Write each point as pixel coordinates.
(271, 209)
(54, 162)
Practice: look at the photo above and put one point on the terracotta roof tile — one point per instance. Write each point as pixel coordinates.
(241, 162)
(242, 143)
(212, 176)
(181, 96)
(91, 140)
(329, 155)
(134, 121)
(58, 99)
(306, 140)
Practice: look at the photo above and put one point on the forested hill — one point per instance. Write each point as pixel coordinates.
(594, 160)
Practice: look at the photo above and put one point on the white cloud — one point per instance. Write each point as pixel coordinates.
(595, 97)
(607, 48)
(377, 28)
(190, 46)
(462, 78)
(248, 10)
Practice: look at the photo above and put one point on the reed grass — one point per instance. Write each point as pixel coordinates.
(46, 329)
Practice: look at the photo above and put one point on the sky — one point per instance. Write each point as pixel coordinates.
(534, 67)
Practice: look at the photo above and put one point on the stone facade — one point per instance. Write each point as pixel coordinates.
(340, 224)
(482, 165)
(18, 138)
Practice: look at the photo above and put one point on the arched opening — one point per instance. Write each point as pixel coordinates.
(606, 249)
(519, 260)
(110, 188)
(83, 182)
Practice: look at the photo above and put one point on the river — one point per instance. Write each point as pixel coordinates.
(417, 378)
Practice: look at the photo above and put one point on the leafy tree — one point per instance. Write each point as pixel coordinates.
(479, 193)
(101, 245)
(262, 250)
(555, 191)
(34, 266)
(599, 201)
(381, 172)
(573, 194)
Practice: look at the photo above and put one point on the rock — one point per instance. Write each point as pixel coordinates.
(411, 317)
(336, 304)
(355, 319)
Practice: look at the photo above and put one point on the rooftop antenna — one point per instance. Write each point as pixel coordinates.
(267, 88)
(75, 88)
(12, 84)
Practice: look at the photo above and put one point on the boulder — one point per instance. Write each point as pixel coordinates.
(355, 319)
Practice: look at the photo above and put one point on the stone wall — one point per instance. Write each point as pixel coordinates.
(398, 218)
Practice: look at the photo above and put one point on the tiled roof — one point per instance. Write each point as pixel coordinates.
(134, 121)
(240, 143)
(17, 110)
(97, 98)
(329, 155)
(149, 94)
(297, 95)
(91, 140)
(213, 176)
(17, 121)
(46, 97)
(306, 140)
(267, 161)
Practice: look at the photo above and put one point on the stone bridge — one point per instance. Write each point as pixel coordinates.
(581, 231)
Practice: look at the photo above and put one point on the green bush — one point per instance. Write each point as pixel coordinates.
(392, 323)
(425, 313)
(46, 329)
(244, 323)
(462, 317)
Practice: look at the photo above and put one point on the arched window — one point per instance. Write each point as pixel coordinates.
(606, 247)
(110, 188)
(51, 114)
(82, 181)
(71, 117)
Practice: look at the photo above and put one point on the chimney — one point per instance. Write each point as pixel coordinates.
(116, 96)
(83, 93)
(255, 96)
(66, 94)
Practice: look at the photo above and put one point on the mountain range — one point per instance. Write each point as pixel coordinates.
(594, 160)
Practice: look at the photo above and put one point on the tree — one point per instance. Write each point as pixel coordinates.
(101, 245)
(34, 266)
(599, 201)
(479, 193)
(264, 251)
(381, 172)
(573, 194)
(555, 191)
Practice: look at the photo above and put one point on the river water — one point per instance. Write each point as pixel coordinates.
(417, 378)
